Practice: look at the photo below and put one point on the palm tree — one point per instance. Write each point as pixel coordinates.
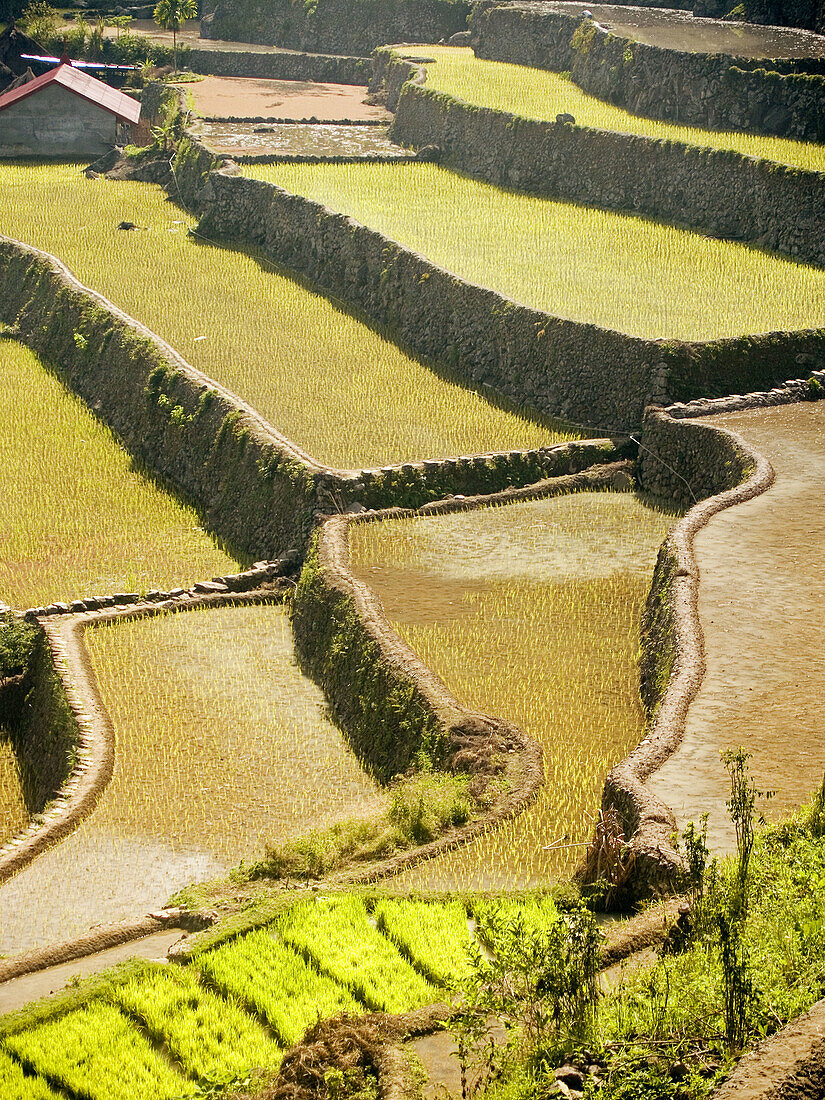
(169, 14)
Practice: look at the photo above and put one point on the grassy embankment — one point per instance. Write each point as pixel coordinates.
(330, 384)
(613, 270)
(529, 612)
(535, 93)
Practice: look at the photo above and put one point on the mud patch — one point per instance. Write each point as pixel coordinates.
(255, 97)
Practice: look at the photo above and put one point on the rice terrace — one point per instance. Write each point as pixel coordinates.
(411, 602)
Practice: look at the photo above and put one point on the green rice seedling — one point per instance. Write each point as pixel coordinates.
(534, 914)
(530, 612)
(227, 755)
(614, 270)
(433, 935)
(211, 1037)
(17, 1085)
(336, 936)
(97, 1054)
(335, 387)
(77, 518)
(534, 93)
(263, 972)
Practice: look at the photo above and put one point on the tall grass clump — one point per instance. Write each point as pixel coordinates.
(77, 518)
(618, 271)
(332, 385)
(529, 612)
(536, 93)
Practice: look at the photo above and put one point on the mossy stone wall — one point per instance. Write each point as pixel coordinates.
(333, 26)
(715, 91)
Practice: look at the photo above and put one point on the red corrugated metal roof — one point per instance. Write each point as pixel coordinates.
(87, 87)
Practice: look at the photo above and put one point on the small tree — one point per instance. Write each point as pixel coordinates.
(169, 14)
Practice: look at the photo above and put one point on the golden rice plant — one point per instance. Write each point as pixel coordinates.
(77, 517)
(335, 387)
(535, 93)
(614, 270)
(13, 813)
(529, 612)
(222, 743)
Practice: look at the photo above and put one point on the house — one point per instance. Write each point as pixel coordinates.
(64, 113)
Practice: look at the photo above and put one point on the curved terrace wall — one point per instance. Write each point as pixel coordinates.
(715, 91)
(713, 191)
(715, 469)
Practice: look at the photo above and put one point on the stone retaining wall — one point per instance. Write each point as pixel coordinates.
(715, 192)
(716, 469)
(715, 91)
(333, 26)
(322, 68)
(256, 489)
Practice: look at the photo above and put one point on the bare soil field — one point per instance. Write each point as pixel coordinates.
(251, 97)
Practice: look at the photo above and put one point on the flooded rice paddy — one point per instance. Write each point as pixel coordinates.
(333, 386)
(529, 612)
(762, 609)
(77, 518)
(613, 270)
(221, 746)
(298, 140)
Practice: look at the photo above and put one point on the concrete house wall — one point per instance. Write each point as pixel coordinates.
(55, 122)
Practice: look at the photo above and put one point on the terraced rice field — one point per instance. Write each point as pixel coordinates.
(221, 747)
(77, 517)
(613, 270)
(535, 93)
(330, 384)
(13, 814)
(162, 1032)
(529, 612)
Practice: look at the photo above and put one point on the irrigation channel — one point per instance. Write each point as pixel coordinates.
(221, 746)
(529, 612)
(762, 609)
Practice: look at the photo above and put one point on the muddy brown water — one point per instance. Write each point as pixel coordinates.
(254, 97)
(299, 140)
(529, 612)
(762, 609)
(221, 746)
(678, 30)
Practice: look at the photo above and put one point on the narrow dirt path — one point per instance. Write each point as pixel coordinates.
(762, 609)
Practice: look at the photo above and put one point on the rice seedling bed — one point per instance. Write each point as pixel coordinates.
(222, 746)
(529, 612)
(98, 1055)
(210, 1037)
(435, 935)
(336, 936)
(536, 914)
(614, 270)
(17, 1085)
(535, 93)
(77, 517)
(265, 973)
(333, 386)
